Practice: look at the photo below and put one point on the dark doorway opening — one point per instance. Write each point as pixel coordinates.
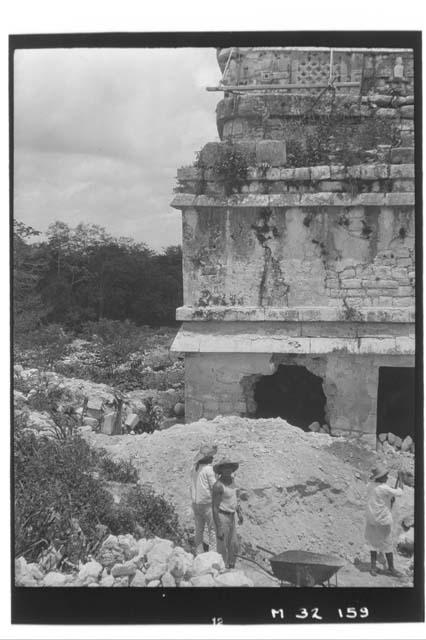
(395, 401)
(292, 393)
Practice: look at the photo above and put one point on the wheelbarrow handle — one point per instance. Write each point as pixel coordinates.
(267, 550)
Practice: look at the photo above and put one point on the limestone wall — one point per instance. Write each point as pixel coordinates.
(220, 384)
(298, 231)
(379, 70)
(359, 256)
(371, 102)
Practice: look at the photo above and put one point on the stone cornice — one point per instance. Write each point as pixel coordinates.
(253, 338)
(303, 200)
(288, 314)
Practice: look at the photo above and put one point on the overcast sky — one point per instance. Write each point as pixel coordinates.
(99, 134)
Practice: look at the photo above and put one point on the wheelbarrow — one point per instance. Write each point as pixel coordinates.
(303, 568)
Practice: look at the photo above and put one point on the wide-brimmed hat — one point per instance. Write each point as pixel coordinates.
(225, 462)
(206, 451)
(378, 472)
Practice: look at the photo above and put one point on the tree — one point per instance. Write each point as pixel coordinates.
(29, 264)
(88, 274)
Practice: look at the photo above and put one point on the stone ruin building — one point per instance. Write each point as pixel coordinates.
(298, 243)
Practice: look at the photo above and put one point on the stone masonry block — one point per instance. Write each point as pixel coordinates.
(337, 172)
(407, 139)
(353, 301)
(332, 283)
(405, 291)
(352, 283)
(246, 147)
(212, 153)
(320, 173)
(329, 330)
(287, 174)
(374, 171)
(403, 185)
(404, 262)
(347, 274)
(405, 344)
(381, 100)
(387, 113)
(407, 111)
(402, 155)
(400, 101)
(328, 185)
(403, 302)
(402, 171)
(355, 292)
(354, 171)
(273, 174)
(301, 173)
(376, 345)
(400, 273)
(189, 173)
(272, 152)
(386, 284)
(253, 173)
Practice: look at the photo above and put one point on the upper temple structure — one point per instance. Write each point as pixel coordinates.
(298, 243)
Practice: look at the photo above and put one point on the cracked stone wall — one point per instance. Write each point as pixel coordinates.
(222, 384)
(291, 257)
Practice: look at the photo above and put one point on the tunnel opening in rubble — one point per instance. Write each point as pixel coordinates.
(395, 401)
(292, 393)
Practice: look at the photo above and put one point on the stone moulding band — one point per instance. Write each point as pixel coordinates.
(191, 340)
(368, 172)
(293, 314)
(324, 199)
(280, 87)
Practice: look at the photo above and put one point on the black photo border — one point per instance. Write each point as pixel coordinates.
(236, 605)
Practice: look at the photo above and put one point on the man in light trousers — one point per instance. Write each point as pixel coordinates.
(202, 480)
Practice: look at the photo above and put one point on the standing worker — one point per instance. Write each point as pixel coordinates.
(378, 529)
(202, 481)
(225, 507)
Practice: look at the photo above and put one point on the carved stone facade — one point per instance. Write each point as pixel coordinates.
(298, 232)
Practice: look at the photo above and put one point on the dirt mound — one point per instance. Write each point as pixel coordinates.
(298, 490)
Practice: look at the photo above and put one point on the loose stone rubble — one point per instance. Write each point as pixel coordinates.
(97, 400)
(298, 490)
(149, 563)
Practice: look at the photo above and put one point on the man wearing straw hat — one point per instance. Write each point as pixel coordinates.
(202, 481)
(225, 507)
(378, 528)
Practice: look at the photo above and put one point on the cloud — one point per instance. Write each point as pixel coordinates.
(99, 134)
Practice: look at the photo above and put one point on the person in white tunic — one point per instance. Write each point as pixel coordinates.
(202, 480)
(378, 527)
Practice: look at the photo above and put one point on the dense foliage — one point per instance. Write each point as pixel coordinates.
(84, 274)
(60, 490)
(116, 353)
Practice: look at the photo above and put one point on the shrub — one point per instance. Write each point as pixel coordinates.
(57, 489)
(42, 347)
(154, 513)
(120, 520)
(117, 470)
(151, 420)
(53, 484)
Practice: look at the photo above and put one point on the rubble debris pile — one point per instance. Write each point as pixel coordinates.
(123, 561)
(298, 490)
(94, 405)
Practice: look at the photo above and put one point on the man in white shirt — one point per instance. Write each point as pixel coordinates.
(202, 480)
